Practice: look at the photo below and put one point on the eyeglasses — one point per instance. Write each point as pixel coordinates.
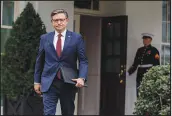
(57, 20)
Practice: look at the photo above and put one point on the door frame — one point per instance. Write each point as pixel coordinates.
(77, 28)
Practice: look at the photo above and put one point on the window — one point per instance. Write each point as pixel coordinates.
(87, 4)
(7, 17)
(166, 33)
(165, 54)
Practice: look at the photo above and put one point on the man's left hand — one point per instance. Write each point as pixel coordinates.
(79, 82)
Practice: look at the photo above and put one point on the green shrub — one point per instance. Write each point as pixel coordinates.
(20, 53)
(154, 92)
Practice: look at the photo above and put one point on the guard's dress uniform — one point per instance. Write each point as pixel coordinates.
(145, 58)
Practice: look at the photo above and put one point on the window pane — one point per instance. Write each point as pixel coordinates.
(8, 13)
(116, 48)
(4, 35)
(109, 48)
(82, 4)
(117, 27)
(164, 10)
(167, 54)
(162, 55)
(116, 65)
(164, 31)
(169, 32)
(113, 65)
(109, 65)
(109, 31)
(95, 4)
(169, 11)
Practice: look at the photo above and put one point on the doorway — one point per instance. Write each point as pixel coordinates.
(113, 65)
(106, 40)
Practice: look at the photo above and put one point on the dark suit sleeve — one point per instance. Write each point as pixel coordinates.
(156, 58)
(39, 62)
(133, 68)
(83, 62)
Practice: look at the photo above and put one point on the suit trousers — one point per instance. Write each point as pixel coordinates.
(65, 93)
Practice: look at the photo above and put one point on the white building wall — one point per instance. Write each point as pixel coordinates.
(143, 16)
(44, 8)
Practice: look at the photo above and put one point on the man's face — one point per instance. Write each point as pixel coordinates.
(147, 41)
(59, 22)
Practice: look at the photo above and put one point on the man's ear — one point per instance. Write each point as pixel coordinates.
(67, 20)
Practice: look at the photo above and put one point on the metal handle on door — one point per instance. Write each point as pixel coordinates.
(121, 73)
(123, 67)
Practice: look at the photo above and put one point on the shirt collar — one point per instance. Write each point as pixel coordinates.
(63, 33)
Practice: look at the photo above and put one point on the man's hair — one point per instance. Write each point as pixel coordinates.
(58, 11)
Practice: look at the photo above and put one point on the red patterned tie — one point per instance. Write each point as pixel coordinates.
(59, 50)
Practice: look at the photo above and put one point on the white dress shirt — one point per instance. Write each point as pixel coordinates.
(62, 39)
(56, 39)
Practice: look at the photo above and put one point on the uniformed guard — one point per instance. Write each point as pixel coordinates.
(146, 57)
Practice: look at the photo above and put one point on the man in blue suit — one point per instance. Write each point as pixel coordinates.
(56, 66)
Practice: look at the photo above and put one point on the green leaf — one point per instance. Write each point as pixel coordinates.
(154, 92)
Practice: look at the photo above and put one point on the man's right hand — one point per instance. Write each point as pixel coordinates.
(37, 88)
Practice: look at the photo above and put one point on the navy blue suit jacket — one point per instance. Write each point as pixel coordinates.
(48, 62)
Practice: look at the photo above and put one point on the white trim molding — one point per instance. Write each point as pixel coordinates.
(6, 27)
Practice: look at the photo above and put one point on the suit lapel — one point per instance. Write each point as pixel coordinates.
(51, 43)
(67, 40)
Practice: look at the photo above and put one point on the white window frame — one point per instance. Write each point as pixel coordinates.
(167, 22)
(16, 11)
(168, 41)
(163, 44)
(4, 26)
